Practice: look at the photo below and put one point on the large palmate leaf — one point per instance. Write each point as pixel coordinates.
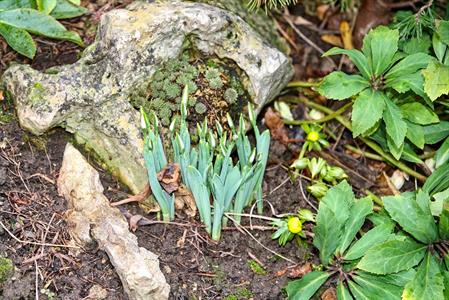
(38, 23)
(18, 39)
(380, 46)
(416, 220)
(306, 287)
(373, 237)
(367, 110)
(436, 80)
(394, 124)
(428, 282)
(338, 85)
(355, 56)
(392, 256)
(332, 215)
(358, 211)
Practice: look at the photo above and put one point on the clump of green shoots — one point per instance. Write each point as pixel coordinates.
(208, 169)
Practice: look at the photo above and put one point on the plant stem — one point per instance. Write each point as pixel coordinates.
(376, 199)
(345, 122)
(364, 153)
(302, 84)
(327, 118)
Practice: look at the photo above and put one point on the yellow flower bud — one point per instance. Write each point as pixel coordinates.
(294, 225)
(313, 136)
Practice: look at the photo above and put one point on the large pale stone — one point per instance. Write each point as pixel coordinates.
(91, 218)
(91, 97)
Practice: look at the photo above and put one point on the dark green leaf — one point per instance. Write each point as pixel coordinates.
(373, 237)
(436, 132)
(18, 39)
(360, 293)
(438, 181)
(413, 219)
(343, 292)
(438, 47)
(306, 287)
(415, 45)
(38, 23)
(392, 256)
(436, 80)
(410, 64)
(443, 31)
(428, 282)
(396, 151)
(357, 214)
(332, 214)
(46, 6)
(13, 4)
(338, 85)
(417, 113)
(380, 46)
(446, 285)
(355, 56)
(367, 110)
(65, 10)
(400, 278)
(415, 134)
(443, 225)
(395, 125)
(442, 154)
(376, 286)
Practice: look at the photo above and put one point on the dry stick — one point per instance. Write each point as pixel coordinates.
(34, 243)
(312, 44)
(387, 157)
(257, 241)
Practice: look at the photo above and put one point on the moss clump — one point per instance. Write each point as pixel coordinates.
(256, 268)
(6, 269)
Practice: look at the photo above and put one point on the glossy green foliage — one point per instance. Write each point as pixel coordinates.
(20, 18)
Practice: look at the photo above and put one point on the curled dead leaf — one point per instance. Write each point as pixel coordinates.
(300, 271)
(329, 294)
(170, 177)
(134, 222)
(184, 201)
(276, 126)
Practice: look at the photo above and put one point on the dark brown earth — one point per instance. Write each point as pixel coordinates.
(195, 266)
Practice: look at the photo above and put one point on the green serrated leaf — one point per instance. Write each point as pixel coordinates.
(380, 46)
(392, 256)
(413, 219)
(18, 39)
(443, 31)
(400, 278)
(357, 214)
(65, 10)
(436, 132)
(338, 85)
(410, 64)
(374, 285)
(359, 292)
(443, 225)
(416, 45)
(342, 292)
(417, 113)
(396, 151)
(13, 4)
(373, 237)
(46, 6)
(442, 154)
(367, 110)
(355, 56)
(395, 125)
(306, 287)
(428, 282)
(436, 80)
(38, 23)
(333, 213)
(415, 134)
(407, 82)
(438, 47)
(438, 181)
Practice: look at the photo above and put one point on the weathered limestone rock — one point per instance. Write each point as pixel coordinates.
(92, 218)
(91, 97)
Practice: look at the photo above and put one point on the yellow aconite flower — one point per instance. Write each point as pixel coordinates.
(313, 136)
(294, 225)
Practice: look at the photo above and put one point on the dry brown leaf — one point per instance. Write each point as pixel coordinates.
(170, 177)
(281, 272)
(134, 222)
(300, 271)
(184, 201)
(321, 11)
(329, 294)
(276, 126)
(346, 35)
(331, 39)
